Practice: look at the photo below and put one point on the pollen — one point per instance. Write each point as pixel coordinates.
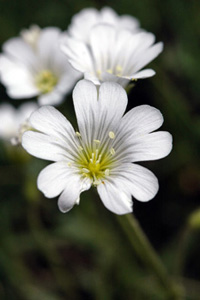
(46, 81)
(111, 135)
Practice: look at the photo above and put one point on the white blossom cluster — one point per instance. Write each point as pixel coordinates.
(109, 51)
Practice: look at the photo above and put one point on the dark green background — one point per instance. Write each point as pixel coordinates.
(47, 255)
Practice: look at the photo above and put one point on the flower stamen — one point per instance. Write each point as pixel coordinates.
(85, 170)
(112, 151)
(46, 81)
(107, 172)
(78, 134)
(118, 70)
(97, 141)
(80, 148)
(111, 135)
(110, 71)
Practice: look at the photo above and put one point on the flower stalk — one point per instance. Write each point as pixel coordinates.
(148, 256)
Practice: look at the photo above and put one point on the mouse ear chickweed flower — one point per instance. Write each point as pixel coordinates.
(14, 121)
(103, 152)
(33, 65)
(83, 22)
(112, 55)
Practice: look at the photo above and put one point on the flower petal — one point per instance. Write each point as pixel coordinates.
(139, 181)
(9, 122)
(109, 16)
(52, 98)
(122, 80)
(143, 74)
(48, 47)
(78, 54)
(22, 91)
(146, 56)
(151, 146)
(21, 52)
(43, 146)
(26, 109)
(128, 22)
(82, 23)
(102, 43)
(17, 78)
(71, 194)
(140, 120)
(86, 107)
(49, 120)
(112, 102)
(115, 199)
(52, 180)
(92, 77)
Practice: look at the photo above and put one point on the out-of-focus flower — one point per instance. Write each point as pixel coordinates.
(83, 22)
(31, 36)
(14, 121)
(112, 55)
(104, 150)
(33, 65)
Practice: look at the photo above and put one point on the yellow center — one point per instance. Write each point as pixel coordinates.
(94, 168)
(46, 81)
(95, 163)
(117, 71)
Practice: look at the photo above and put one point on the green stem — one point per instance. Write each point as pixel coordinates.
(182, 247)
(147, 254)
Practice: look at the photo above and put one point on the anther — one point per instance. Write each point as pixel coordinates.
(80, 148)
(96, 153)
(118, 68)
(97, 141)
(109, 71)
(69, 164)
(92, 159)
(112, 151)
(107, 172)
(85, 170)
(98, 160)
(111, 135)
(78, 134)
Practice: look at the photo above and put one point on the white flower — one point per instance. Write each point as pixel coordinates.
(104, 150)
(33, 65)
(14, 121)
(83, 22)
(112, 55)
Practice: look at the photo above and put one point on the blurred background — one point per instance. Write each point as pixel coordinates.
(47, 255)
